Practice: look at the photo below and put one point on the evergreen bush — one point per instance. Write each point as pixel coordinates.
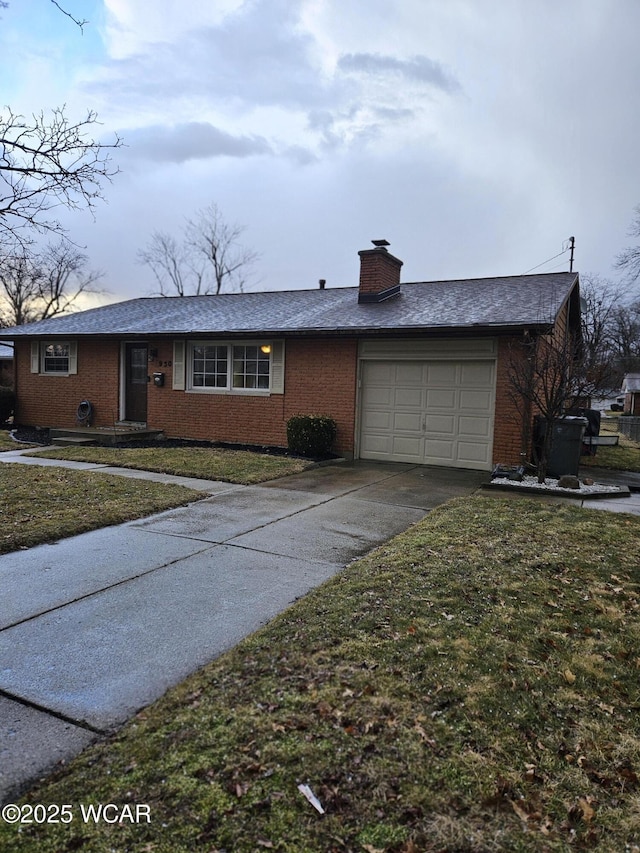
(311, 435)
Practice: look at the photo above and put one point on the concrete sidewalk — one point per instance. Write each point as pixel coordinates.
(94, 627)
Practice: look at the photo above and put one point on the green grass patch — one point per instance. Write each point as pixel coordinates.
(7, 443)
(625, 456)
(470, 686)
(46, 504)
(230, 466)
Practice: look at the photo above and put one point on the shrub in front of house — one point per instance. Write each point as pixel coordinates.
(7, 402)
(311, 435)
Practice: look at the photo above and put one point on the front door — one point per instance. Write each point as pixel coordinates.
(136, 379)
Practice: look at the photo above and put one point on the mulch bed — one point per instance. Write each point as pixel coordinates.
(41, 436)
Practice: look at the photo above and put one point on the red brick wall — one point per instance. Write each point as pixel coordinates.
(632, 403)
(52, 401)
(320, 378)
(508, 430)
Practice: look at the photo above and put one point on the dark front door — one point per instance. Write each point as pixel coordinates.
(136, 378)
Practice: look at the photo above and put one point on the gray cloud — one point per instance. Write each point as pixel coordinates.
(255, 57)
(394, 113)
(190, 141)
(418, 68)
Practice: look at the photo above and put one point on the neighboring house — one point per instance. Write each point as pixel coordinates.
(607, 401)
(6, 364)
(410, 372)
(631, 390)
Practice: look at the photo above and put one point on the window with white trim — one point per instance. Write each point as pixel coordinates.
(251, 366)
(216, 366)
(210, 366)
(54, 358)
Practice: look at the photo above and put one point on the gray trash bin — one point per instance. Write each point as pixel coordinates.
(566, 446)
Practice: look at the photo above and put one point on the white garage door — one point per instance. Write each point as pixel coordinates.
(428, 412)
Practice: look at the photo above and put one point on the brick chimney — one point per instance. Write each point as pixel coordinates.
(379, 273)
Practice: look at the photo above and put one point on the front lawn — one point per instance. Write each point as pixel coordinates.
(45, 504)
(470, 686)
(7, 443)
(207, 463)
(625, 456)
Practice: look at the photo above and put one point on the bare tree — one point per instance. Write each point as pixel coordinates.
(208, 259)
(19, 280)
(625, 338)
(546, 376)
(218, 242)
(173, 266)
(47, 163)
(36, 286)
(601, 304)
(629, 259)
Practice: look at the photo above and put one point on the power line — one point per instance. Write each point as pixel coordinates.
(563, 252)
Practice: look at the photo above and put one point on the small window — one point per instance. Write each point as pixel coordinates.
(54, 358)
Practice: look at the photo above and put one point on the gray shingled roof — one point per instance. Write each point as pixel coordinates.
(470, 304)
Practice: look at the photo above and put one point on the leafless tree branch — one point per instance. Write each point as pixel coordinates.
(81, 24)
(209, 259)
(38, 285)
(46, 163)
(629, 259)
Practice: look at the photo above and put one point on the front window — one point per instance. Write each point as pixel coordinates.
(230, 367)
(251, 366)
(210, 366)
(55, 358)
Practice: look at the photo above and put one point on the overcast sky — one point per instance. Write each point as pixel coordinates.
(476, 136)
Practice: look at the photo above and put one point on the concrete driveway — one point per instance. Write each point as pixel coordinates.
(95, 627)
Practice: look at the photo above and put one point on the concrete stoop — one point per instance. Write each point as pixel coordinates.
(82, 436)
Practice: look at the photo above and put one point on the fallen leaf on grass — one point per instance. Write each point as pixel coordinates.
(582, 810)
(569, 677)
(425, 737)
(522, 814)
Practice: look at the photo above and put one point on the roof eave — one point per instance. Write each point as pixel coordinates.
(356, 331)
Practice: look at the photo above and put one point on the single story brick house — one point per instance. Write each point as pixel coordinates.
(413, 372)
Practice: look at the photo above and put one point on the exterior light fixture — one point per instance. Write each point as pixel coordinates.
(265, 348)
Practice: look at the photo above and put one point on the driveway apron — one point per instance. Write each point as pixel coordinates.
(94, 627)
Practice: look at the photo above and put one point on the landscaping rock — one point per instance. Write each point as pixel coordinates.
(587, 481)
(568, 481)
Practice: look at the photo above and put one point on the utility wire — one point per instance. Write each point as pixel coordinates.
(563, 252)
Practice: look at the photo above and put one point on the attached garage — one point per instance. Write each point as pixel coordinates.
(429, 403)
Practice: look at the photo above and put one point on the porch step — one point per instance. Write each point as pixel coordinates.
(72, 441)
(105, 436)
